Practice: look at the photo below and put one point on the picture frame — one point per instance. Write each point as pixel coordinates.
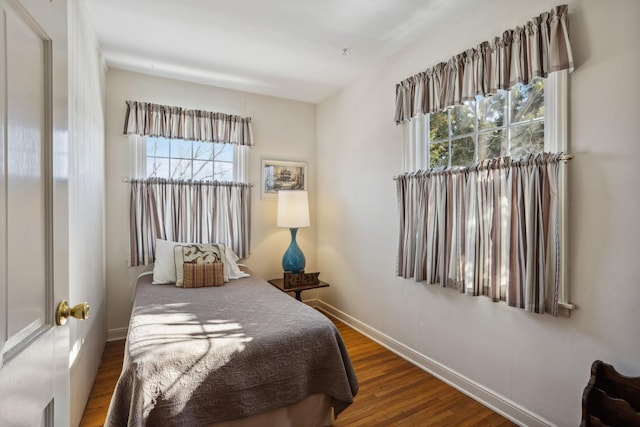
(281, 175)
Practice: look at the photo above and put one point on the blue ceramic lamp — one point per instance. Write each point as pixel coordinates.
(293, 213)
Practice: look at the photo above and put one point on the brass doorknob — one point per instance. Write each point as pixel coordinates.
(79, 311)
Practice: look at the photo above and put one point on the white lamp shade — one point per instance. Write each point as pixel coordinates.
(293, 209)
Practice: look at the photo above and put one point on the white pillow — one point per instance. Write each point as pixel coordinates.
(234, 270)
(164, 267)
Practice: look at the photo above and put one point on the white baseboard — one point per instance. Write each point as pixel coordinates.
(476, 391)
(314, 302)
(117, 334)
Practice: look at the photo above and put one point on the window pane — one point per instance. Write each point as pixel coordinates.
(189, 160)
(157, 167)
(439, 125)
(203, 170)
(527, 102)
(492, 144)
(463, 151)
(180, 169)
(224, 152)
(180, 149)
(158, 147)
(509, 123)
(223, 171)
(527, 139)
(491, 111)
(463, 119)
(203, 150)
(439, 155)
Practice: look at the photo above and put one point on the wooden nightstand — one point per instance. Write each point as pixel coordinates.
(279, 283)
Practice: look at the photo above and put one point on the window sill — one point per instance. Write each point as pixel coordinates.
(567, 305)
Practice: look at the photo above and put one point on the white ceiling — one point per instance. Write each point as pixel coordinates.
(286, 48)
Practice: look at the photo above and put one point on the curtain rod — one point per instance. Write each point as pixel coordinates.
(563, 158)
(128, 180)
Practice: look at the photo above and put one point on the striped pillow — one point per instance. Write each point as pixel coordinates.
(202, 275)
(199, 254)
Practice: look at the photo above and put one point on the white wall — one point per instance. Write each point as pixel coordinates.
(282, 130)
(535, 362)
(86, 205)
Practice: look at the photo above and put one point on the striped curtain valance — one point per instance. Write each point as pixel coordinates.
(190, 212)
(491, 229)
(534, 50)
(146, 119)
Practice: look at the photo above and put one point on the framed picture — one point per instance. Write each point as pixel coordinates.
(280, 175)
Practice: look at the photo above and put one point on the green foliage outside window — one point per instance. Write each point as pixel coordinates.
(509, 123)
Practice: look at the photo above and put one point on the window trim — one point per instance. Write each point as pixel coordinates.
(556, 138)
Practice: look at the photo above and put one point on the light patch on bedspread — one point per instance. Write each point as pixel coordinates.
(171, 332)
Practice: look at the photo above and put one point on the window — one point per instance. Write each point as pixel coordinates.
(525, 120)
(180, 159)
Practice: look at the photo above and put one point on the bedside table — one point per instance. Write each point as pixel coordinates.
(279, 283)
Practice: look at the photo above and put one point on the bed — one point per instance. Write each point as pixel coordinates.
(242, 354)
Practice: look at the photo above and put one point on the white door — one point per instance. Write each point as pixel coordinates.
(34, 357)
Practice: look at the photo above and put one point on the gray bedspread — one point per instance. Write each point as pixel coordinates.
(197, 356)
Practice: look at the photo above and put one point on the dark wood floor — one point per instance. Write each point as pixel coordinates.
(392, 392)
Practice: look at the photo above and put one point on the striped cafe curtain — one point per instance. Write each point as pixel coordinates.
(491, 229)
(188, 211)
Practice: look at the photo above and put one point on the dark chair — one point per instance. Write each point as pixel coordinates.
(610, 399)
